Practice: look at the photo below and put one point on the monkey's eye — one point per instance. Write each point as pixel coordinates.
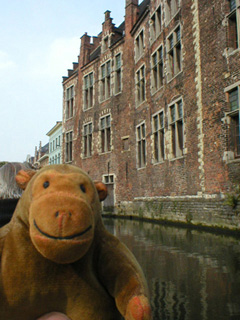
(46, 184)
(82, 187)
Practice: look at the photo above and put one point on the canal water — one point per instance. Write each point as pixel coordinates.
(191, 275)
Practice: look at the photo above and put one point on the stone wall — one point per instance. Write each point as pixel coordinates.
(192, 211)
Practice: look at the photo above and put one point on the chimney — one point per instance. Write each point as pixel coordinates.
(96, 42)
(131, 15)
(107, 25)
(40, 150)
(35, 154)
(85, 49)
(107, 15)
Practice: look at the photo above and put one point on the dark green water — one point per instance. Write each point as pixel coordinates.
(191, 274)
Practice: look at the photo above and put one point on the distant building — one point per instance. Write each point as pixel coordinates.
(55, 144)
(41, 156)
(152, 106)
(30, 159)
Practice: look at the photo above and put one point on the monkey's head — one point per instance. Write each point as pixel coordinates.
(61, 208)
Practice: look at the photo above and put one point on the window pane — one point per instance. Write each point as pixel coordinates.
(156, 146)
(160, 53)
(143, 131)
(108, 68)
(103, 123)
(139, 133)
(103, 140)
(180, 135)
(155, 119)
(154, 59)
(103, 71)
(91, 79)
(90, 145)
(233, 100)
(178, 33)
(173, 141)
(118, 61)
(86, 82)
(180, 111)
(237, 137)
(232, 5)
(173, 113)
(139, 155)
(144, 152)
(108, 121)
(108, 139)
(161, 120)
(171, 41)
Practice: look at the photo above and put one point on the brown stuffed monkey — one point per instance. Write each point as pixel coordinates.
(57, 259)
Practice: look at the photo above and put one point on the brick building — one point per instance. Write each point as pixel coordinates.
(40, 156)
(152, 106)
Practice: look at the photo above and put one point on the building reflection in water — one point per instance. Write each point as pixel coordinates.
(190, 274)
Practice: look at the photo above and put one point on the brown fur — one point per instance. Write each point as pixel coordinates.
(56, 255)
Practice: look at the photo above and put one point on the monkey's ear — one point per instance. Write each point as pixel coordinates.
(23, 177)
(101, 189)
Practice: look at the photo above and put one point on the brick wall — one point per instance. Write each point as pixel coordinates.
(205, 66)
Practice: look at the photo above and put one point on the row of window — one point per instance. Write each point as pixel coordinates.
(105, 82)
(176, 127)
(56, 159)
(171, 8)
(104, 86)
(54, 144)
(157, 76)
(158, 132)
(155, 23)
(173, 66)
(173, 57)
(173, 60)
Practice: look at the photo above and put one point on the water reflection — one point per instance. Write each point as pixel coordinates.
(191, 274)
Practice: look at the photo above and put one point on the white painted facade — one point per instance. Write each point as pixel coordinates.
(55, 144)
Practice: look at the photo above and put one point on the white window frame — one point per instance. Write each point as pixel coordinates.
(232, 153)
(139, 44)
(141, 148)
(88, 91)
(87, 140)
(174, 59)
(234, 12)
(69, 147)
(157, 69)
(105, 81)
(140, 85)
(177, 146)
(70, 100)
(171, 10)
(106, 134)
(155, 24)
(118, 74)
(158, 132)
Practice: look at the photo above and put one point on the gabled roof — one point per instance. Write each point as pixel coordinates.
(95, 54)
(57, 125)
(142, 7)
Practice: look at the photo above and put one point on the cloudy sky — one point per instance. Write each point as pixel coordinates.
(39, 40)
